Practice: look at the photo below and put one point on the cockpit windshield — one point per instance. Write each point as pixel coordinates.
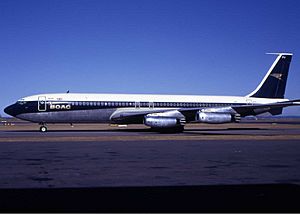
(21, 102)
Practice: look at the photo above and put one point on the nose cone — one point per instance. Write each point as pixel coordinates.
(10, 110)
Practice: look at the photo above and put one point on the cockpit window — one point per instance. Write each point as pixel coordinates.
(21, 102)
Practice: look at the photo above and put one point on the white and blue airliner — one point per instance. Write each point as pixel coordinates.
(161, 112)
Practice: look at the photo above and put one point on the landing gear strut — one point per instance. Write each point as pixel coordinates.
(43, 128)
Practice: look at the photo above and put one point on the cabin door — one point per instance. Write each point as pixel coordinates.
(42, 103)
(137, 104)
(151, 104)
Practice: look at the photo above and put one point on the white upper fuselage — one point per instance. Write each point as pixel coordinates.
(151, 98)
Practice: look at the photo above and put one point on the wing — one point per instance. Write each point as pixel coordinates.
(136, 116)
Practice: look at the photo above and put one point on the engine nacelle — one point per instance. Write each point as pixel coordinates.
(163, 122)
(215, 118)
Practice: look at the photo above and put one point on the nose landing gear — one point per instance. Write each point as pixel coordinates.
(43, 128)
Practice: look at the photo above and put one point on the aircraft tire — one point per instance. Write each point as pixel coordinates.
(43, 129)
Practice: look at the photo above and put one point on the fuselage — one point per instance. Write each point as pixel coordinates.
(99, 108)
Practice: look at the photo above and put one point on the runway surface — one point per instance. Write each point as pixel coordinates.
(99, 155)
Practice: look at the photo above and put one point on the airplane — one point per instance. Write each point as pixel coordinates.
(160, 112)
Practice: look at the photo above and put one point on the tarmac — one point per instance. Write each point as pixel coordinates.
(93, 156)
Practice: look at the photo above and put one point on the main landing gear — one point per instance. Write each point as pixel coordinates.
(43, 128)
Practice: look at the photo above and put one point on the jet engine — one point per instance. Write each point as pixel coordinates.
(216, 118)
(171, 119)
(163, 122)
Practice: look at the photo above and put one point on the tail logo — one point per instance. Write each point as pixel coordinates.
(277, 76)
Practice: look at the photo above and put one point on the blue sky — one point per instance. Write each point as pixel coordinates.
(200, 47)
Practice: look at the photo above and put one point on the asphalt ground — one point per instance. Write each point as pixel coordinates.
(242, 162)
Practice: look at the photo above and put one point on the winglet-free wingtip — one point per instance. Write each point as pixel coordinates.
(290, 54)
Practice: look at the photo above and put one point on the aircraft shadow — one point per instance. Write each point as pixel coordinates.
(199, 131)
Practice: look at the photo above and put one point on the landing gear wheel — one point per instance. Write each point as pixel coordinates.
(43, 129)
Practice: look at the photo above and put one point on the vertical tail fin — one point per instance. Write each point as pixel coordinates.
(274, 83)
